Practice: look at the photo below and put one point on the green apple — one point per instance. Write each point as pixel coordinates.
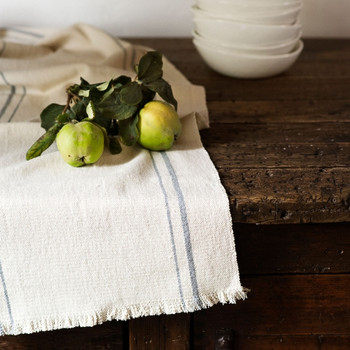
(159, 125)
(80, 143)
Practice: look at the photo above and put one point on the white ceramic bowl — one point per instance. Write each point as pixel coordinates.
(232, 47)
(241, 65)
(241, 33)
(259, 2)
(243, 8)
(265, 2)
(283, 17)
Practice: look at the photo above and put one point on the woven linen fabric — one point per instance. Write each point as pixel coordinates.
(136, 234)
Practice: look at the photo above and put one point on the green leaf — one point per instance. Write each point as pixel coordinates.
(128, 131)
(44, 142)
(78, 110)
(49, 114)
(163, 89)
(103, 86)
(120, 81)
(148, 95)
(84, 93)
(105, 123)
(114, 145)
(84, 88)
(90, 110)
(95, 94)
(114, 108)
(150, 67)
(131, 94)
(118, 111)
(84, 84)
(107, 94)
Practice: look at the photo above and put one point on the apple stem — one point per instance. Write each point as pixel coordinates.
(67, 103)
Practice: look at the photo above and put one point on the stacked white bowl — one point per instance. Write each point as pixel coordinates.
(248, 38)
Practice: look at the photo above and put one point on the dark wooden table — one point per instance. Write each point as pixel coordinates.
(282, 148)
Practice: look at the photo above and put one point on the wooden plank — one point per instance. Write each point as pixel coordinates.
(293, 249)
(177, 332)
(146, 333)
(301, 145)
(290, 342)
(301, 111)
(278, 342)
(160, 332)
(280, 155)
(334, 343)
(290, 185)
(224, 339)
(272, 89)
(110, 335)
(280, 305)
(288, 195)
(287, 173)
(275, 133)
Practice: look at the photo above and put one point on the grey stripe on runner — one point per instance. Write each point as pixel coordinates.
(2, 278)
(9, 98)
(23, 31)
(185, 227)
(19, 103)
(2, 48)
(170, 230)
(8, 101)
(4, 78)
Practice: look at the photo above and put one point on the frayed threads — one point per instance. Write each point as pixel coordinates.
(125, 313)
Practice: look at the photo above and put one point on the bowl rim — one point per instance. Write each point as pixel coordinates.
(295, 25)
(249, 3)
(196, 9)
(252, 3)
(297, 50)
(280, 45)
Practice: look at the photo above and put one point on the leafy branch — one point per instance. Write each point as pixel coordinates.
(114, 105)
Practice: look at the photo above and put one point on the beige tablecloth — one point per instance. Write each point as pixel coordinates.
(139, 233)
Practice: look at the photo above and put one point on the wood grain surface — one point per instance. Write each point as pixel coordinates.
(110, 335)
(160, 332)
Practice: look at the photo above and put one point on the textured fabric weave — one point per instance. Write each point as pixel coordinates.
(136, 234)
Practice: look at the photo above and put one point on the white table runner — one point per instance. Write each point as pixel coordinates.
(139, 233)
